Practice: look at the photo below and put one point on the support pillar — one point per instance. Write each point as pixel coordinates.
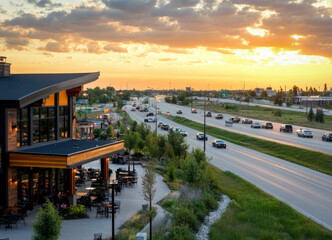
(104, 163)
(71, 184)
(50, 181)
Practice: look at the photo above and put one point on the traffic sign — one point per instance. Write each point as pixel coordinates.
(224, 93)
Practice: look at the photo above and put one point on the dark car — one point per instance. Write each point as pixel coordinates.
(193, 110)
(235, 119)
(138, 107)
(219, 116)
(286, 128)
(160, 124)
(256, 125)
(179, 111)
(201, 136)
(218, 143)
(208, 114)
(267, 125)
(164, 127)
(146, 109)
(246, 121)
(150, 114)
(327, 137)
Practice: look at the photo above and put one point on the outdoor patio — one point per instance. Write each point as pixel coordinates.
(131, 199)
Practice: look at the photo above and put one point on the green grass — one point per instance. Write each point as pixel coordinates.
(311, 159)
(268, 114)
(254, 214)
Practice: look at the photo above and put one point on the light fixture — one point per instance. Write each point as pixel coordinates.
(14, 127)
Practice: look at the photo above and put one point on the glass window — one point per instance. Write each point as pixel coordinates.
(51, 112)
(35, 113)
(43, 130)
(51, 129)
(43, 112)
(35, 131)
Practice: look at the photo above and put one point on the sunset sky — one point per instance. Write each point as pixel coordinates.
(205, 44)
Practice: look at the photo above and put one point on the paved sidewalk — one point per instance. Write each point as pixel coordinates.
(131, 202)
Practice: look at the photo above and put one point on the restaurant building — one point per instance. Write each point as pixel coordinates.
(38, 150)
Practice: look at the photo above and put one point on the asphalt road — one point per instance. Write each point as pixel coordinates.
(306, 190)
(314, 144)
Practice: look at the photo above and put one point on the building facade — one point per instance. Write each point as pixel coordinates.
(38, 150)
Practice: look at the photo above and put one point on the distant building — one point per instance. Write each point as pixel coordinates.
(270, 92)
(312, 100)
(258, 91)
(188, 89)
(82, 101)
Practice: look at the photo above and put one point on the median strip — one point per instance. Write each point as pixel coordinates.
(315, 160)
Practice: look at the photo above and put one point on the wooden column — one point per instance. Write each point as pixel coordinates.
(71, 180)
(104, 167)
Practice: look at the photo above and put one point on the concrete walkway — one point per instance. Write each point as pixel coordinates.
(83, 229)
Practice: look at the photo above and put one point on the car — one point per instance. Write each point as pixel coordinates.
(171, 129)
(141, 110)
(208, 114)
(165, 127)
(256, 125)
(267, 125)
(235, 119)
(201, 136)
(299, 130)
(218, 143)
(150, 114)
(177, 129)
(167, 113)
(160, 124)
(151, 119)
(219, 116)
(246, 121)
(305, 133)
(159, 112)
(327, 137)
(146, 109)
(184, 133)
(179, 111)
(133, 109)
(286, 128)
(138, 107)
(193, 110)
(146, 119)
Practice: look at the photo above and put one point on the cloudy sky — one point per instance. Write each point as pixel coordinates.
(206, 44)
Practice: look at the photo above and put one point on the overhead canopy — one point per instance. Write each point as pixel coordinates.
(64, 154)
(20, 90)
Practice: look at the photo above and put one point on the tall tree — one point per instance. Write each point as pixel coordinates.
(131, 140)
(325, 87)
(295, 89)
(311, 114)
(148, 182)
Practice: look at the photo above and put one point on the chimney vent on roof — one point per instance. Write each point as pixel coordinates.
(4, 67)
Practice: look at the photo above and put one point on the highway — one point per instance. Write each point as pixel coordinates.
(306, 190)
(314, 144)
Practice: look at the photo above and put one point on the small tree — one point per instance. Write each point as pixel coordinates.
(148, 181)
(130, 141)
(311, 115)
(319, 116)
(97, 132)
(48, 223)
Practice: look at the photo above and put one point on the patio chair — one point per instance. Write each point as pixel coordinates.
(97, 236)
(117, 204)
(100, 211)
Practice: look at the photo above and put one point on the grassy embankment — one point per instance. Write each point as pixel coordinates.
(256, 215)
(311, 159)
(269, 114)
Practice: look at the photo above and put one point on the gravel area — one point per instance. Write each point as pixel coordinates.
(203, 233)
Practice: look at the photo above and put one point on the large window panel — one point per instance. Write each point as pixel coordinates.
(36, 131)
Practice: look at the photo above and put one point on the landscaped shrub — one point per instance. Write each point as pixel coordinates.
(180, 233)
(76, 212)
(183, 216)
(277, 113)
(210, 201)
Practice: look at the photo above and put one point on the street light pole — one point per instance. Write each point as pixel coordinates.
(156, 116)
(204, 121)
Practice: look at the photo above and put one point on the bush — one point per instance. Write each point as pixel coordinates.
(48, 223)
(210, 201)
(231, 106)
(319, 116)
(171, 173)
(76, 212)
(183, 216)
(180, 233)
(277, 113)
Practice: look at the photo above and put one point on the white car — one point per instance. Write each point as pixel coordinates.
(183, 133)
(151, 119)
(299, 130)
(305, 133)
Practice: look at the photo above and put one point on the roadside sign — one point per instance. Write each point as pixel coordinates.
(224, 93)
(89, 110)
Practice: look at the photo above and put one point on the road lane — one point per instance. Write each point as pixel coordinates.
(314, 144)
(306, 190)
